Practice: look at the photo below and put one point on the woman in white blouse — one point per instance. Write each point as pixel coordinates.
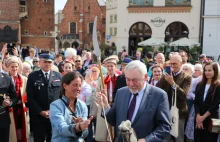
(207, 98)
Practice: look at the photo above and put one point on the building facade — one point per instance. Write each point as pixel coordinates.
(211, 30)
(75, 28)
(31, 21)
(138, 20)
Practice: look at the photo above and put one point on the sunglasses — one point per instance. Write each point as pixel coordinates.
(48, 62)
(77, 61)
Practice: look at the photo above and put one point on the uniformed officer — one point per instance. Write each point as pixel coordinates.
(7, 98)
(43, 87)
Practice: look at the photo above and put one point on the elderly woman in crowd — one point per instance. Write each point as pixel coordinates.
(68, 115)
(157, 71)
(18, 128)
(26, 69)
(207, 100)
(36, 64)
(198, 70)
(189, 69)
(70, 54)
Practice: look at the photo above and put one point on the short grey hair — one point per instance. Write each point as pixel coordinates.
(141, 67)
(189, 66)
(198, 66)
(26, 65)
(70, 52)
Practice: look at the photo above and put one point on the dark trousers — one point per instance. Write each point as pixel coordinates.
(203, 135)
(42, 131)
(4, 134)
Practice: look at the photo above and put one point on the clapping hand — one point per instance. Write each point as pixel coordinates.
(77, 120)
(83, 125)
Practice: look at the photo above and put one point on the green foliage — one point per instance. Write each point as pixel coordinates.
(161, 48)
(196, 49)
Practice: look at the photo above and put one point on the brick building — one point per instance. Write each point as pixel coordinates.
(32, 20)
(77, 23)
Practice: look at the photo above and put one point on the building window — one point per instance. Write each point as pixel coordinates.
(111, 32)
(90, 28)
(72, 27)
(178, 2)
(111, 19)
(141, 2)
(115, 31)
(115, 18)
(44, 0)
(45, 33)
(26, 32)
(103, 20)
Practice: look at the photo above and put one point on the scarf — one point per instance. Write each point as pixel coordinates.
(107, 82)
(18, 84)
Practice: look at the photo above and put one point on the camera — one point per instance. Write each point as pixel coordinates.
(10, 48)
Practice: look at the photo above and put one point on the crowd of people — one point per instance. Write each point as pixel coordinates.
(64, 97)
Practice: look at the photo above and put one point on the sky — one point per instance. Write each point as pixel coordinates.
(59, 5)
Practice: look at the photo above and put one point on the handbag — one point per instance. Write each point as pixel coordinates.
(215, 125)
(174, 121)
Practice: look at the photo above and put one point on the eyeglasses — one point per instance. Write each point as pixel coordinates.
(77, 61)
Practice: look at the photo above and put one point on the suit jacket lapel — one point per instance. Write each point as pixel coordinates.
(144, 102)
(1, 78)
(50, 78)
(179, 78)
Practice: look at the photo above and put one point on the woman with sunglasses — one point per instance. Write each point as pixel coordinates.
(207, 98)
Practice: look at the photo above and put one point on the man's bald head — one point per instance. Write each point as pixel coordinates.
(176, 63)
(176, 57)
(160, 59)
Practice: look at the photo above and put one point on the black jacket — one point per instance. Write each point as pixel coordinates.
(120, 82)
(40, 93)
(7, 88)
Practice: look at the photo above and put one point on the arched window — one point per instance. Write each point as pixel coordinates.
(72, 27)
(175, 31)
(140, 29)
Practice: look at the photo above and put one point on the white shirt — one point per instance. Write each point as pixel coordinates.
(207, 86)
(48, 74)
(138, 101)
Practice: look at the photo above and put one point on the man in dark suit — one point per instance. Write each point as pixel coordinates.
(43, 87)
(8, 98)
(88, 61)
(144, 105)
(138, 57)
(181, 82)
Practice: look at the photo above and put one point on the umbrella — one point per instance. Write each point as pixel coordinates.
(184, 42)
(152, 42)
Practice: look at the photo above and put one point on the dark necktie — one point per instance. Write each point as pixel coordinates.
(46, 76)
(132, 107)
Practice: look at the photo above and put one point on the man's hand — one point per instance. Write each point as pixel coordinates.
(141, 140)
(102, 100)
(169, 79)
(6, 103)
(45, 114)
